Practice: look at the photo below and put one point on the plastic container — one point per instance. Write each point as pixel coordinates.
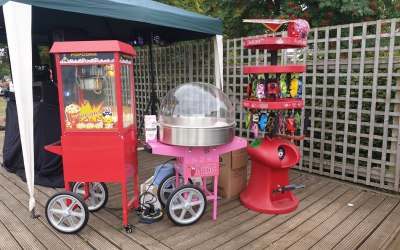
(161, 172)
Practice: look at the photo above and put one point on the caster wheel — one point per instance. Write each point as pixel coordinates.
(67, 212)
(129, 228)
(166, 187)
(186, 205)
(98, 194)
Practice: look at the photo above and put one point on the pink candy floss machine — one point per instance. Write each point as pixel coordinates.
(196, 125)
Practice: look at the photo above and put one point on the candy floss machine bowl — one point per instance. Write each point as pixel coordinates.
(196, 114)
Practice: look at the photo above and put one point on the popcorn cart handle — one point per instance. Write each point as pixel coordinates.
(55, 148)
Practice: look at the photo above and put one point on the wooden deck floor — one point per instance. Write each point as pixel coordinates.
(331, 215)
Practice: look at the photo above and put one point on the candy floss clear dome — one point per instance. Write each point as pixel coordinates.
(199, 111)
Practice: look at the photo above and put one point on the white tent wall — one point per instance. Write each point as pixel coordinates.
(18, 18)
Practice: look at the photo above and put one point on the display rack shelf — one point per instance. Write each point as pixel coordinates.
(274, 69)
(279, 103)
(275, 43)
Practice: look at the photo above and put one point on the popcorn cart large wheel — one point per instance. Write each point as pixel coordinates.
(67, 212)
(166, 187)
(186, 205)
(98, 194)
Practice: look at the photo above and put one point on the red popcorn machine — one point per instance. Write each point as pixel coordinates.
(98, 119)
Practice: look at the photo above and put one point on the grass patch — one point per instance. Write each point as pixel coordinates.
(3, 105)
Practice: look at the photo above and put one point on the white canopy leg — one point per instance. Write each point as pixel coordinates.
(18, 19)
(219, 61)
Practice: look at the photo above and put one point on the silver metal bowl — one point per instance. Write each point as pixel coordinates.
(195, 131)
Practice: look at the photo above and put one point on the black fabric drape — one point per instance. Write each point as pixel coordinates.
(47, 129)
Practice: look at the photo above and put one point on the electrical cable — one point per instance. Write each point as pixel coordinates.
(154, 198)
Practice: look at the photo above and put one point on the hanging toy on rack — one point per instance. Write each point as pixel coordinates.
(296, 86)
(300, 89)
(297, 119)
(249, 89)
(273, 87)
(291, 125)
(270, 124)
(260, 94)
(263, 121)
(283, 85)
(281, 124)
(248, 118)
(253, 86)
(254, 124)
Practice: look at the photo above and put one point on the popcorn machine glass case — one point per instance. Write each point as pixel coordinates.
(97, 112)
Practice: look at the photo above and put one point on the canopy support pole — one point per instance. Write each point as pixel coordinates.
(219, 61)
(18, 21)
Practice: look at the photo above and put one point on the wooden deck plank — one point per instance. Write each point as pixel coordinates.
(323, 220)
(234, 232)
(13, 183)
(254, 233)
(140, 239)
(326, 226)
(7, 240)
(42, 232)
(385, 233)
(164, 235)
(287, 226)
(138, 235)
(356, 237)
(299, 232)
(20, 232)
(158, 230)
(200, 232)
(345, 227)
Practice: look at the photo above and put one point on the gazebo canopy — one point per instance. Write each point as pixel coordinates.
(123, 20)
(42, 21)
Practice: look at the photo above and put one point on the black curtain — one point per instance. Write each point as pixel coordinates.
(47, 129)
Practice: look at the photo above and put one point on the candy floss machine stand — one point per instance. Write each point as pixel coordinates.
(98, 142)
(196, 125)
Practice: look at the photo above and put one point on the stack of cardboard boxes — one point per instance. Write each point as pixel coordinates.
(232, 178)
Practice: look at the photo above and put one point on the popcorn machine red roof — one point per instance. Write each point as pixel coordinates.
(98, 141)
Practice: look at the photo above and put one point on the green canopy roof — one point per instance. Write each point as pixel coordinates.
(116, 19)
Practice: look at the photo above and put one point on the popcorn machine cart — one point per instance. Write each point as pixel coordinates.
(98, 142)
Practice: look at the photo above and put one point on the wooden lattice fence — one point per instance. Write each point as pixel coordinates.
(351, 92)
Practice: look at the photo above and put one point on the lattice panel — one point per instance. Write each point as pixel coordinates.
(351, 92)
(173, 65)
(352, 95)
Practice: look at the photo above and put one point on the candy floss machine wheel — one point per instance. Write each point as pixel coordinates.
(196, 114)
(196, 125)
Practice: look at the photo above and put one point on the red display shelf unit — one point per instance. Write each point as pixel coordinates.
(274, 69)
(275, 43)
(279, 103)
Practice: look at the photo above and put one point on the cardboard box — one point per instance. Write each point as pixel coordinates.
(150, 128)
(232, 178)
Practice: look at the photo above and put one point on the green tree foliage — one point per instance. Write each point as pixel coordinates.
(4, 61)
(191, 5)
(317, 12)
